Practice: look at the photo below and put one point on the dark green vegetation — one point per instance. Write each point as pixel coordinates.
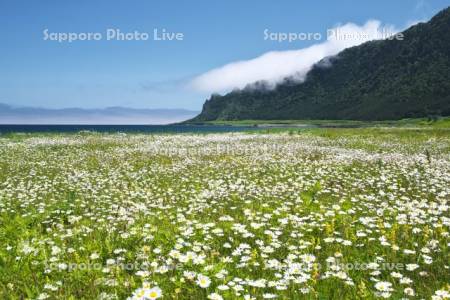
(443, 123)
(379, 80)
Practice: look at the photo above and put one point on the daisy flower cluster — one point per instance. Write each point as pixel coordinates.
(311, 214)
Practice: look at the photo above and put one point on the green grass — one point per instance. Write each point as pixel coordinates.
(420, 122)
(98, 216)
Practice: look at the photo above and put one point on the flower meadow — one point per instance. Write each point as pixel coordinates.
(307, 214)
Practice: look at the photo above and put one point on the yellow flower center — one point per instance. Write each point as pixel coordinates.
(153, 294)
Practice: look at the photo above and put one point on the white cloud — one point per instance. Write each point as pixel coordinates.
(276, 65)
(414, 22)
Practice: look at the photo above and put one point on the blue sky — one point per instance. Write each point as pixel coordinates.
(157, 74)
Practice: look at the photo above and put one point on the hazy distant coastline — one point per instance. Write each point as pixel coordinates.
(109, 115)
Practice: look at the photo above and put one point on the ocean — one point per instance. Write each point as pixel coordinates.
(6, 128)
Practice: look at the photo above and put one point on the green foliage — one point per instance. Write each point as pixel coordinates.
(76, 208)
(379, 80)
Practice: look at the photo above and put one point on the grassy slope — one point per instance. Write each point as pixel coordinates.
(422, 122)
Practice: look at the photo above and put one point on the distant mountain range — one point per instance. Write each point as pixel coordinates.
(75, 116)
(378, 80)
